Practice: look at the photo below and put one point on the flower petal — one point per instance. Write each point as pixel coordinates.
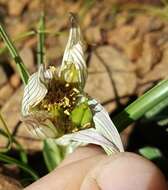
(104, 125)
(88, 136)
(34, 91)
(74, 55)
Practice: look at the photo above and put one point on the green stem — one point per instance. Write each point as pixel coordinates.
(19, 38)
(15, 55)
(6, 127)
(8, 147)
(9, 160)
(41, 40)
(140, 106)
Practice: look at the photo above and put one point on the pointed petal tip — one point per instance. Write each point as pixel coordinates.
(73, 19)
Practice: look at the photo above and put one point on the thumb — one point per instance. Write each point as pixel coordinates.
(124, 171)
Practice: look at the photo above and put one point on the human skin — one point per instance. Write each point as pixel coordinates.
(88, 168)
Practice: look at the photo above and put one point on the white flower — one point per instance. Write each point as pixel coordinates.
(55, 106)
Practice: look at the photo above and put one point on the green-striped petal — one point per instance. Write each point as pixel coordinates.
(73, 68)
(34, 91)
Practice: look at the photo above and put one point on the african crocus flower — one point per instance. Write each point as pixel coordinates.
(55, 105)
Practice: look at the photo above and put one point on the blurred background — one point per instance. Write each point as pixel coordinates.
(126, 53)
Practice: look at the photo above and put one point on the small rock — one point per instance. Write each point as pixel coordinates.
(122, 35)
(99, 87)
(151, 55)
(8, 183)
(15, 28)
(33, 5)
(3, 79)
(5, 93)
(160, 71)
(15, 80)
(93, 35)
(149, 23)
(123, 18)
(155, 24)
(28, 59)
(11, 109)
(134, 48)
(15, 7)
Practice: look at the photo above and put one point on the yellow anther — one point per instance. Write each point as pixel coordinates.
(66, 100)
(66, 112)
(76, 90)
(52, 68)
(67, 85)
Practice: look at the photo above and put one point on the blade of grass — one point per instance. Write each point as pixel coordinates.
(52, 154)
(21, 67)
(23, 36)
(20, 37)
(8, 147)
(139, 107)
(23, 166)
(41, 40)
(150, 153)
(23, 154)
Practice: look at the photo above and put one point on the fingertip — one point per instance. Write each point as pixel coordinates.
(126, 171)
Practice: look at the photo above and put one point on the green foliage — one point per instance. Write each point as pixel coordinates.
(150, 152)
(41, 40)
(23, 162)
(25, 167)
(15, 55)
(142, 105)
(158, 113)
(52, 154)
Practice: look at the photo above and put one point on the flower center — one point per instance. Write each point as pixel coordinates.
(61, 95)
(61, 99)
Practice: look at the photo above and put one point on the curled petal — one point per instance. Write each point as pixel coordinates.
(104, 125)
(88, 136)
(40, 126)
(34, 91)
(73, 68)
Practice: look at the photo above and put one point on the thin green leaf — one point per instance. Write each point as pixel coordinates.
(41, 40)
(142, 105)
(23, 154)
(8, 147)
(157, 109)
(15, 55)
(20, 37)
(150, 152)
(158, 113)
(52, 154)
(26, 168)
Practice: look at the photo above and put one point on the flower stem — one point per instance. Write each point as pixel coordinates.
(8, 135)
(20, 37)
(140, 106)
(23, 166)
(41, 40)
